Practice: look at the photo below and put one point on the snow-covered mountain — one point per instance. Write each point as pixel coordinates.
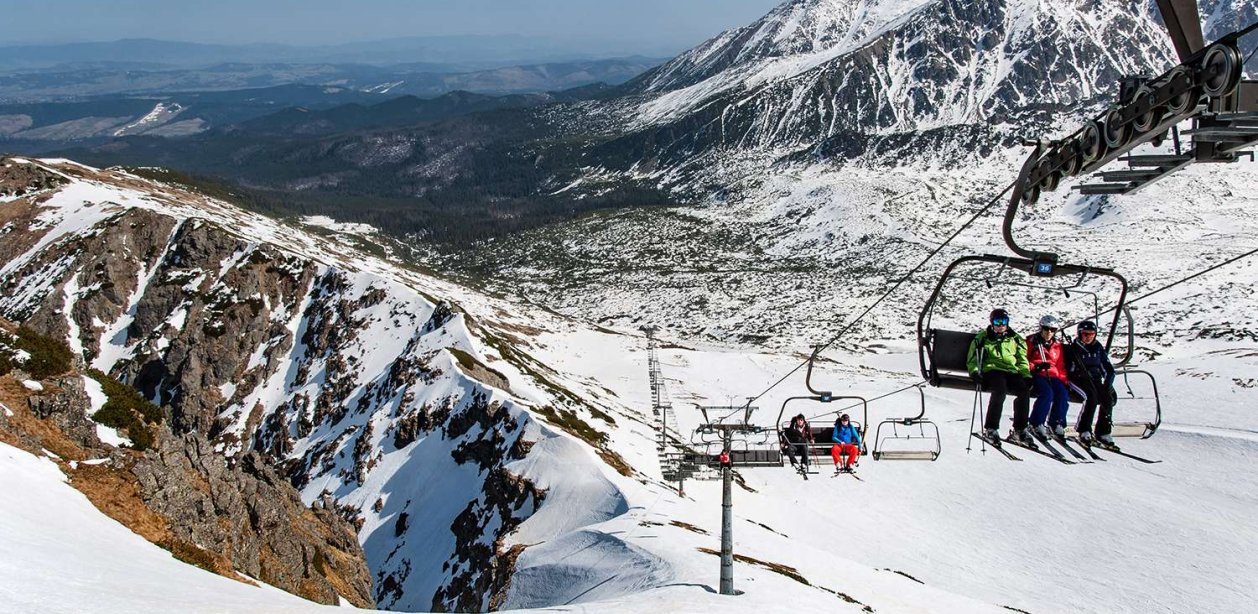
(493, 474)
(349, 374)
(841, 78)
(496, 449)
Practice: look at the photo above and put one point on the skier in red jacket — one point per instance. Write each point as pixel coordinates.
(1048, 378)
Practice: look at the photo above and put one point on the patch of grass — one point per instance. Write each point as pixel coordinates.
(570, 422)
(48, 357)
(896, 571)
(126, 409)
(789, 572)
(193, 555)
(479, 370)
(778, 568)
(687, 526)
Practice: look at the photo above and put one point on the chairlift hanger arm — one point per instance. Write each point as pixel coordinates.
(1183, 23)
(1020, 193)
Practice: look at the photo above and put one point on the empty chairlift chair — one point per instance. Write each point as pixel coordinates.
(911, 438)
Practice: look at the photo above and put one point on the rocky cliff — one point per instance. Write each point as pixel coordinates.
(231, 516)
(293, 351)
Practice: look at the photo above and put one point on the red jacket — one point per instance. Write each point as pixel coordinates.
(1051, 352)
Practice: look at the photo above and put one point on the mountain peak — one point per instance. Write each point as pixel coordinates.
(793, 28)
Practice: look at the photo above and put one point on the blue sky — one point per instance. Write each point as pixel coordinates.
(636, 25)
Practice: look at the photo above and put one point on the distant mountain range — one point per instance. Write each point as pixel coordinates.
(451, 53)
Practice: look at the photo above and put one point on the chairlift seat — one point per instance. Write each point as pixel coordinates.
(924, 455)
(949, 362)
(755, 458)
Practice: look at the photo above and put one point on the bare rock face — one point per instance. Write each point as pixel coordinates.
(224, 515)
(20, 179)
(278, 369)
(242, 509)
(64, 405)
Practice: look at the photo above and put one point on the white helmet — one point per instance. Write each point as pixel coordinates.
(1050, 321)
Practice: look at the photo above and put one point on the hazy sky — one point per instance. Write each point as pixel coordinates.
(650, 24)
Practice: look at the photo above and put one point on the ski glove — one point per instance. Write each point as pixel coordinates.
(1043, 366)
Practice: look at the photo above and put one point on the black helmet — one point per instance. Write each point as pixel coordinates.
(998, 314)
(1087, 325)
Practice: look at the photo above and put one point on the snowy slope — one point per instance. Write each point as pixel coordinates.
(595, 535)
(1114, 536)
(62, 555)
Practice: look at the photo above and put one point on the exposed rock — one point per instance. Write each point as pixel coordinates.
(17, 179)
(252, 516)
(224, 515)
(63, 405)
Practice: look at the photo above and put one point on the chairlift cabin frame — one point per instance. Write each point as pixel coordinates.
(821, 436)
(937, 353)
(943, 354)
(880, 452)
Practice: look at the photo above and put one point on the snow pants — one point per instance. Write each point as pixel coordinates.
(1052, 401)
(850, 450)
(1096, 394)
(999, 384)
(797, 448)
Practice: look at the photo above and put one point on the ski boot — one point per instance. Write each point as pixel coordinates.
(1107, 441)
(1023, 437)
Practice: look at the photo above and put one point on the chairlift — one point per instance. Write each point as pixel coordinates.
(942, 354)
(902, 430)
(822, 436)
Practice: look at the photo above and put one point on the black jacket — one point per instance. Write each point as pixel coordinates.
(795, 435)
(1089, 360)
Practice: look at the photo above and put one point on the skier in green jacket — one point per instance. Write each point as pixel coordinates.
(998, 360)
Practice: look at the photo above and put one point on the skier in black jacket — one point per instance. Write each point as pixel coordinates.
(797, 436)
(1092, 374)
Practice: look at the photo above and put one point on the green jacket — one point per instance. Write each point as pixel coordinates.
(1000, 353)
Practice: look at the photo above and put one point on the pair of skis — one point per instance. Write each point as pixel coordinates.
(847, 471)
(1111, 450)
(1047, 450)
(1055, 454)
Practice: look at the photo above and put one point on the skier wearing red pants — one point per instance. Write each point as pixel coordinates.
(847, 444)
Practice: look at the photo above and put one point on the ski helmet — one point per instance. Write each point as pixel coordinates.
(1050, 321)
(998, 314)
(1086, 325)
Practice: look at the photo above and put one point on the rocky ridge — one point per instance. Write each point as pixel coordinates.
(366, 393)
(228, 516)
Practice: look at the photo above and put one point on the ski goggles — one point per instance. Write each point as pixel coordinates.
(1000, 321)
(1049, 329)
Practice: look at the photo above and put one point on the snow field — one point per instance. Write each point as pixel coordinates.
(1111, 536)
(61, 555)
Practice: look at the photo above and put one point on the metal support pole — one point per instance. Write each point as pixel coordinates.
(727, 522)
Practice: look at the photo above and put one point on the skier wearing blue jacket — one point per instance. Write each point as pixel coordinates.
(847, 443)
